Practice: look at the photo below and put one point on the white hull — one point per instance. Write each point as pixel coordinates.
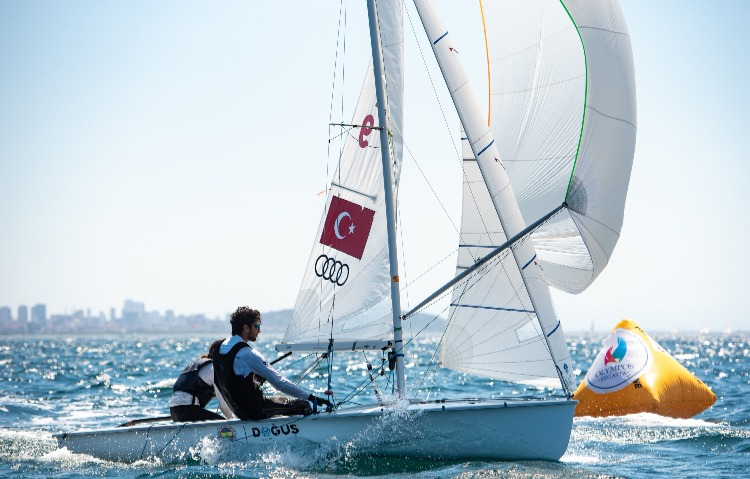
(469, 429)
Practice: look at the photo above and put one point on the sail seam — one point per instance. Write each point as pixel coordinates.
(582, 27)
(611, 117)
(540, 86)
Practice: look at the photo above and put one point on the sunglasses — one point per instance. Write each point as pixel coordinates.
(257, 326)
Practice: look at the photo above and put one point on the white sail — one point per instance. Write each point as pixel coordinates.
(345, 293)
(516, 298)
(492, 330)
(563, 112)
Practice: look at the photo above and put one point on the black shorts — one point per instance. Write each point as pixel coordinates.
(192, 413)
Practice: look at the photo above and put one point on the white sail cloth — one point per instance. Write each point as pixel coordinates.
(507, 308)
(493, 329)
(345, 293)
(563, 112)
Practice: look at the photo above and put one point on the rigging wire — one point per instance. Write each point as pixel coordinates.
(288, 365)
(468, 284)
(306, 372)
(340, 38)
(458, 154)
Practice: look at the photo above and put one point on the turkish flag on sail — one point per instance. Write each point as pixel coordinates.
(347, 227)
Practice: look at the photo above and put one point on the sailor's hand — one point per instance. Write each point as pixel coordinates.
(320, 402)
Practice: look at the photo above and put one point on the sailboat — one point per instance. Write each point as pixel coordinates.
(544, 187)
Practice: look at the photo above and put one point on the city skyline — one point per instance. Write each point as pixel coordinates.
(133, 317)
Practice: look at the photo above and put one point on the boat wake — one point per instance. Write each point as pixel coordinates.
(336, 456)
(23, 445)
(595, 440)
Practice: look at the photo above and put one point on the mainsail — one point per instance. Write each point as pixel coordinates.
(563, 112)
(345, 293)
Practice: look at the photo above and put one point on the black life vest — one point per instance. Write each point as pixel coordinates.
(190, 382)
(242, 394)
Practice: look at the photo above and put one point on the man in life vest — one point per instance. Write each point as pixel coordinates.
(239, 371)
(194, 389)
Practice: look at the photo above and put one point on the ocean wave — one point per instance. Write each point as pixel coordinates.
(646, 419)
(25, 444)
(645, 428)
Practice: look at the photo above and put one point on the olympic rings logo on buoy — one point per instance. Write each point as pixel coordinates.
(332, 270)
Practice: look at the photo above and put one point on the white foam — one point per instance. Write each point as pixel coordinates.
(20, 444)
(645, 419)
(577, 458)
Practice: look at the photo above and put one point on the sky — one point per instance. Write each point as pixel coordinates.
(173, 153)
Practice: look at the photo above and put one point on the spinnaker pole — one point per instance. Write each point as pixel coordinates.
(377, 62)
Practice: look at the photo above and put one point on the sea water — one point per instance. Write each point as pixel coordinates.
(55, 384)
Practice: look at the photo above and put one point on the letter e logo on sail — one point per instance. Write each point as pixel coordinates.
(347, 227)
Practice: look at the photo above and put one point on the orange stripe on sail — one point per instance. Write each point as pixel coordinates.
(487, 54)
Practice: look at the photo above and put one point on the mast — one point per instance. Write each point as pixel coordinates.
(377, 61)
(497, 182)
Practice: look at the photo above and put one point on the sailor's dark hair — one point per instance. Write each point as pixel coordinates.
(214, 347)
(243, 315)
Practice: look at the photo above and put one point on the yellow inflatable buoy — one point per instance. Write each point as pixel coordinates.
(633, 374)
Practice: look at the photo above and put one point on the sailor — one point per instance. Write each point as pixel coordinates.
(194, 389)
(239, 371)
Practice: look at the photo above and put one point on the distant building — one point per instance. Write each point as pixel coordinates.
(23, 314)
(5, 316)
(39, 314)
(112, 315)
(133, 311)
(38, 318)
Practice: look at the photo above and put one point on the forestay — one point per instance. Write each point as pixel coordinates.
(563, 112)
(345, 293)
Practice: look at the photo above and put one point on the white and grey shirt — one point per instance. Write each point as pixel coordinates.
(249, 360)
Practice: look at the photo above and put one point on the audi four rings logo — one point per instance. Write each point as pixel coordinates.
(334, 271)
